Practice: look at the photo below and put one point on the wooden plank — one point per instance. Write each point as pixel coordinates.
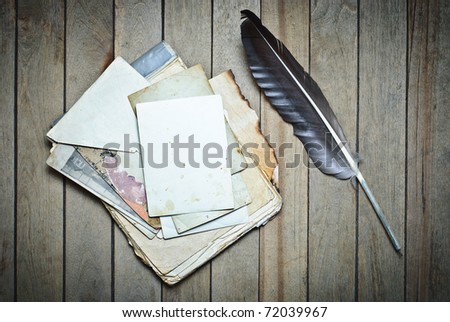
(284, 245)
(88, 226)
(40, 98)
(7, 146)
(228, 52)
(382, 146)
(138, 26)
(428, 223)
(332, 203)
(187, 28)
(234, 273)
(194, 288)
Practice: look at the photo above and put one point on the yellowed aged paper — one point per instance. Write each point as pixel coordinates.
(189, 252)
(187, 83)
(123, 172)
(245, 124)
(174, 259)
(184, 223)
(190, 83)
(69, 162)
(180, 181)
(170, 69)
(102, 116)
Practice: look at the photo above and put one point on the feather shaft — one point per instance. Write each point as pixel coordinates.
(379, 212)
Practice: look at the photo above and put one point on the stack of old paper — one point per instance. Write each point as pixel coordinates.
(177, 159)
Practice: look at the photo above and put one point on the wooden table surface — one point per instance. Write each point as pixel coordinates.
(383, 65)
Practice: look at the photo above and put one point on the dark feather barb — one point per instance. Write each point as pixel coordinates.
(279, 75)
(300, 102)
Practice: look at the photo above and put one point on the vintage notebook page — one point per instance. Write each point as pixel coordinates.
(186, 83)
(181, 225)
(237, 163)
(186, 223)
(180, 181)
(236, 217)
(102, 117)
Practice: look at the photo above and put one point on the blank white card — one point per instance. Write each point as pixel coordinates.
(185, 155)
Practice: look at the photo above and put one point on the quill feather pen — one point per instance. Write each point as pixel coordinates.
(300, 102)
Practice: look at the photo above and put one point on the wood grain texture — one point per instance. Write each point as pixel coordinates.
(234, 273)
(187, 28)
(7, 146)
(88, 241)
(428, 240)
(319, 247)
(195, 288)
(332, 202)
(40, 96)
(138, 27)
(382, 146)
(228, 52)
(284, 244)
